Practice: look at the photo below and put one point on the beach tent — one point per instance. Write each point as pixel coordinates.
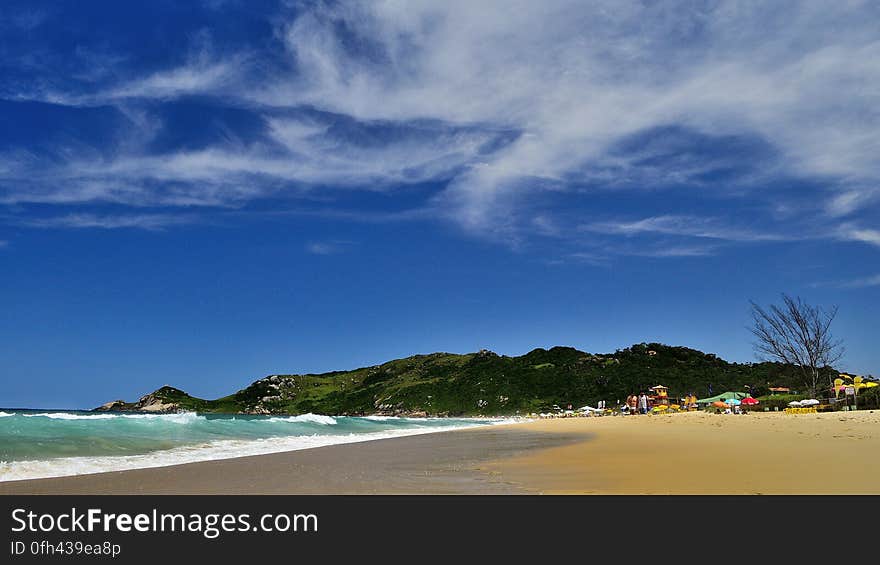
(723, 397)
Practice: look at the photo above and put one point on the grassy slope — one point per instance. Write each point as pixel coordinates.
(489, 384)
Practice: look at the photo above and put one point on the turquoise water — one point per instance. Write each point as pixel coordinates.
(41, 443)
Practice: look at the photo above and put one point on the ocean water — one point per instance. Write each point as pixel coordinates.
(42, 443)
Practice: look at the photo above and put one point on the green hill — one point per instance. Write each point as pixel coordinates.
(485, 383)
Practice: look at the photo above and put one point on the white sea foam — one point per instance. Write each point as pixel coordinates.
(177, 418)
(411, 420)
(5, 414)
(305, 418)
(66, 416)
(221, 449)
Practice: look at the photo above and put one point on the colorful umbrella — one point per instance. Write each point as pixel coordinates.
(719, 404)
(733, 401)
(749, 401)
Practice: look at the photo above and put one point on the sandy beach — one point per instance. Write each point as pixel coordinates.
(700, 453)
(695, 453)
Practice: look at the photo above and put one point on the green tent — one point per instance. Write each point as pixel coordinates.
(722, 397)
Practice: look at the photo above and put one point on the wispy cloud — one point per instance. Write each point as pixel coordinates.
(498, 104)
(586, 78)
(110, 221)
(295, 156)
(689, 226)
(863, 282)
(849, 201)
(193, 78)
(851, 232)
(854, 282)
(604, 255)
(327, 247)
(683, 251)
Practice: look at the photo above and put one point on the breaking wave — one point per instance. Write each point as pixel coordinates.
(39, 444)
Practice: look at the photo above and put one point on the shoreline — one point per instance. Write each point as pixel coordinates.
(441, 462)
(229, 447)
(691, 453)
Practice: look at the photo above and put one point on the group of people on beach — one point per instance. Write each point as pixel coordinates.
(638, 403)
(644, 403)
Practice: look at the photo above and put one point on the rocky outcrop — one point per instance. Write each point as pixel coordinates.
(113, 406)
(154, 403)
(165, 400)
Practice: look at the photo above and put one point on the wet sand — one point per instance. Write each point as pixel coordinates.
(438, 463)
(694, 453)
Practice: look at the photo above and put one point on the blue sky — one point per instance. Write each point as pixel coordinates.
(204, 194)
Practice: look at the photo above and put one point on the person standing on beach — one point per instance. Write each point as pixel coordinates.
(643, 403)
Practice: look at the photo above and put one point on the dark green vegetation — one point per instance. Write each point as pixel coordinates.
(485, 383)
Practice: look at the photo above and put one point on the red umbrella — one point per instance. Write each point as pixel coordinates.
(749, 401)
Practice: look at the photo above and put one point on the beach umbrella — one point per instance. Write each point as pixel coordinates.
(733, 401)
(749, 401)
(719, 404)
(794, 404)
(810, 402)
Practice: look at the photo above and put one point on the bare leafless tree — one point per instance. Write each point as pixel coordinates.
(799, 334)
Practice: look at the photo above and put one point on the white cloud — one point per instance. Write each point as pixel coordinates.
(573, 80)
(864, 235)
(326, 247)
(673, 251)
(579, 80)
(603, 255)
(192, 78)
(862, 282)
(110, 221)
(230, 174)
(689, 226)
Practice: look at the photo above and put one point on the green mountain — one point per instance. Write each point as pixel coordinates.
(485, 383)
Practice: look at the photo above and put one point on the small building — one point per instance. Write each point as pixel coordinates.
(779, 390)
